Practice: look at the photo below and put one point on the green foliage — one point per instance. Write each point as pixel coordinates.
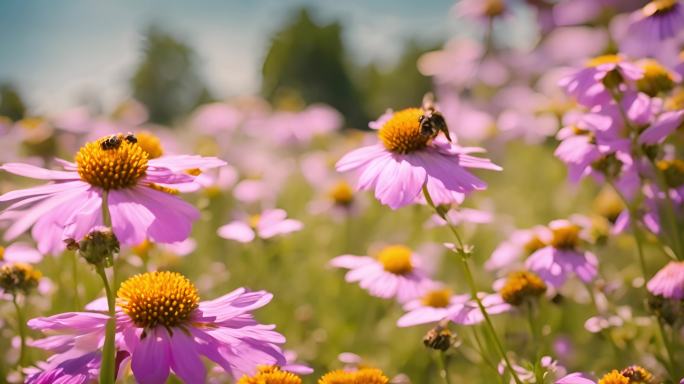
(11, 104)
(310, 58)
(167, 80)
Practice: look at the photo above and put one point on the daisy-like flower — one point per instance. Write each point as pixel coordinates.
(521, 243)
(163, 327)
(657, 21)
(268, 224)
(588, 85)
(395, 272)
(669, 281)
(19, 253)
(406, 159)
(140, 194)
(364, 375)
(562, 256)
(271, 375)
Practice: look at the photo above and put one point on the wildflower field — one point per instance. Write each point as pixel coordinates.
(484, 211)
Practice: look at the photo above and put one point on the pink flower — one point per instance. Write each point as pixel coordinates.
(268, 224)
(562, 256)
(669, 281)
(297, 127)
(520, 243)
(214, 118)
(222, 330)
(140, 195)
(406, 159)
(666, 124)
(20, 253)
(396, 273)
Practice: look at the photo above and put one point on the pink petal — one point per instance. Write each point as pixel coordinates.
(151, 360)
(238, 231)
(185, 360)
(34, 172)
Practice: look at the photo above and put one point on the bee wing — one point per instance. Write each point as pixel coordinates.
(429, 101)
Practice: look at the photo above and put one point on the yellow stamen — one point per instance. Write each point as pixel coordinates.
(396, 259)
(342, 193)
(150, 144)
(656, 78)
(362, 376)
(402, 133)
(158, 298)
(520, 286)
(657, 7)
(111, 163)
(565, 237)
(271, 375)
(438, 298)
(614, 377)
(604, 59)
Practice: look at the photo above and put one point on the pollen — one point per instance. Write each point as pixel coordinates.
(362, 376)
(520, 286)
(396, 259)
(158, 298)
(565, 237)
(438, 298)
(604, 59)
(271, 375)
(112, 163)
(658, 7)
(402, 134)
(637, 375)
(342, 194)
(614, 377)
(150, 144)
(656, 78)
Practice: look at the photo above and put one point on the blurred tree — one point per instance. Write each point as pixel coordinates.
(309, 59)
(166, 80)
(397, 87)
(11, 104)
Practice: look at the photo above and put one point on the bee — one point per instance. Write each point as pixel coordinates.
(130, 137)
(111, 142)
(432, 121)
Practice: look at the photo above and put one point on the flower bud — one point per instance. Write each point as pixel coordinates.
(521, 286)
(99, 247)
(19, 277)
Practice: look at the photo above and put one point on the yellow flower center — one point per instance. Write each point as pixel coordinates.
(565, 237)
(342, 193)
(658, 7)
(402, 133)
(637, 375)
(533, 245)
(31, 123)
(608, 204)
(253, 220)
(2, 253)
(438, 298)
(604, 59)
(271, 375)
(494, 8)
(158, 298)
(396, 259)
(656, 78)
(362, 376)
(520, 286)
(150, 144)
(614, 377)
(676, 101)
(18, 277)
(112, 162)
(673, 171)
(143, 249)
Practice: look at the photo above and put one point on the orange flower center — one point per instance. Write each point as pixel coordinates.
(396, 259)
(112, 162)
(402, 133)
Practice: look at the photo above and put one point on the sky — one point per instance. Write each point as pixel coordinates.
(59, 52)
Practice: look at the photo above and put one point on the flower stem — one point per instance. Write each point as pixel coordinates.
(668, 348)
(74, 277)
(471, 282)
(21, 325)
(442, 364)
(108, 365)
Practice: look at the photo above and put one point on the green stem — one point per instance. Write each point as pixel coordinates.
(442, 364)
(471, 283)
(21, 325)
(668, 348)
(108, 365)
(74, 277)
(536, 341)
(481, 350)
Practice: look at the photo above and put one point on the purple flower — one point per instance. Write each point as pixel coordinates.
(657, 21)
(520, 243)
(268, 224)
(297, 127)
(669, 281)
(222, 330)
(555, 262)
(20, 253)
(396, 273)
(586, 84)
(664, 126)
(140, 195)
(435, 305)
(406, 159)
(214, 118)
(576, 378)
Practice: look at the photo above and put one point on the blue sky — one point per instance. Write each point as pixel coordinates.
(57, 51)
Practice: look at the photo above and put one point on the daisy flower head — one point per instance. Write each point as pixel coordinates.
(394, 273)
(139, 194)
(563, 256)
(657, 21)
(521, 243)
(268, 224)
(433, 306)
(271, 375)
(669, 281)
(364, 375)
(163, 327)
(408, 156)
(592, 84)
